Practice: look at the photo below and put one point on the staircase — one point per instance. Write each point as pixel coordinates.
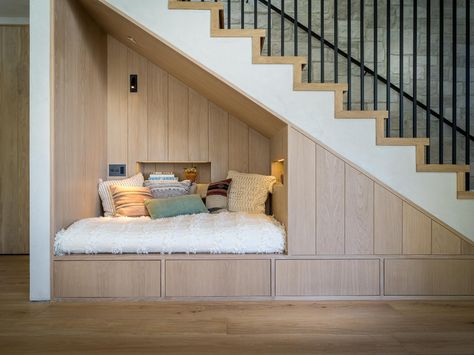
(224, 23)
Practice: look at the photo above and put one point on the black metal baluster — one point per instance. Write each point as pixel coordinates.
(387, 121)
(269, 28)
(255, 14)
(441, 76)
(375, 54)
(362, 54)
(295, 29)
(282, 26)
(310, 46)
(428, 76)
(336, 48)
(242, 22)
(468, 88)
(415, 25)
(400, 109)
(322, 40)
(228, 13)
(454, 145)
(349, 55)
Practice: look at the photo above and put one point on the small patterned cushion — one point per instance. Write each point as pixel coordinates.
(106, 195)
(168, 189)
(249, 192)
(216, 197)
(129, 200)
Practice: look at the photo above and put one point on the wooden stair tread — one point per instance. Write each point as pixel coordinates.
(236, 32)
(356, 114)
(298, 86)
(280, 60)
(191, 5)
(443, 168)
(403, 141)
(465, 195)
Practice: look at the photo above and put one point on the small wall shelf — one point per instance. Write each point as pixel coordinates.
(177, 167)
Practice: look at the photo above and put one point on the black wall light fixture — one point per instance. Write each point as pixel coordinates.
(133, 83)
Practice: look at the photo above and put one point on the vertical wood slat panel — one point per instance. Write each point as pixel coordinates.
(329, 203)
(467, 248)
(117, 103)
(444, 241)
(359, 217)
(218, 142)
(416, 231)
(157, 111)
(259, 153)
(178, 122)
(198, 127)
(388, 219)
(301, 194)
(238, 145)
(137, 112)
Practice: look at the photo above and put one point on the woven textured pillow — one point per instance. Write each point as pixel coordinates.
(106, 195)
(249, 192)
(169, 189)
(129, 200)
(216, 197)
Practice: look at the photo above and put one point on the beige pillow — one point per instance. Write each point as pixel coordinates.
(129, 201)
(249, 192)
(106, 195)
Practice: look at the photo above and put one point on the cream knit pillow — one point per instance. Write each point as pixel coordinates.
(248, 192)
(106, 195)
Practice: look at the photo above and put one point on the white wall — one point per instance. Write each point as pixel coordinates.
(311, 111)
(40, 179)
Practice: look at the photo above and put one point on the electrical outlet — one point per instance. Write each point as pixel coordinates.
(117, 170)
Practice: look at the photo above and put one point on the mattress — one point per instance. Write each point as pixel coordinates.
(228, 232)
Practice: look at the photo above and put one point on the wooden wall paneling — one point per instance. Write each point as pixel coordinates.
(301, 194)
(444, 241)
(178, 123)
(117, 103)
(238, 145)
(327, 277)
(359, 214)
(14, 202)
(416, 231)
(137, 110)
(218, 142)
(186, 278)
(279, 151)
(259, 153)
(425, 277)
(329, 203)
(157, 113)
(198, 141)
(467, 248)
(388, 221)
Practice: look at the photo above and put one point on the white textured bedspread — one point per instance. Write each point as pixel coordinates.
(228, 232)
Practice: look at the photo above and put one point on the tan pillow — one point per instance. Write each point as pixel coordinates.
(129, 200)
(106, 195)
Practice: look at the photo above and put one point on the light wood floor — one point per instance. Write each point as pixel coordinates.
(226, 327)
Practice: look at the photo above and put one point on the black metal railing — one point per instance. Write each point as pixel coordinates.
(416, 87)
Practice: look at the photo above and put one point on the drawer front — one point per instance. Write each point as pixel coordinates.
(428, 277)
(327, 277)
(212, 278)
(107, 279)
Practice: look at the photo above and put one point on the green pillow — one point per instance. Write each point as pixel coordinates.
(175, 206)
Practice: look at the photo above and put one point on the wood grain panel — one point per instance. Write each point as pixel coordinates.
(444, 241)
(178, 122)
(157, 113)
(416, 231)
(327, 277)
(301, 194)
(218, 142)
(217, 278)
(388, 220)
(421, 277)
(238, 145)
(117, 103)
(14, 132)
(137, 110)
(107, 279)
(329, 203)
(359, 217)
(467, 248)
(259, 153)
(198, 127)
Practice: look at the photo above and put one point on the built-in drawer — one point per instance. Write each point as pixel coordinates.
(196, 278)
(124, 278)
(328, 277)
(429, 277)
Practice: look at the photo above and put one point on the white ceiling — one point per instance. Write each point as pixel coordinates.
(14, 8)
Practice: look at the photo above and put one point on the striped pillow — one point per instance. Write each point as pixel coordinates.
(106, 195)
(169, 189)
(216, 198)
(129, 200)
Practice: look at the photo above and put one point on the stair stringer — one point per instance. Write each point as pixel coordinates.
(311, 111)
